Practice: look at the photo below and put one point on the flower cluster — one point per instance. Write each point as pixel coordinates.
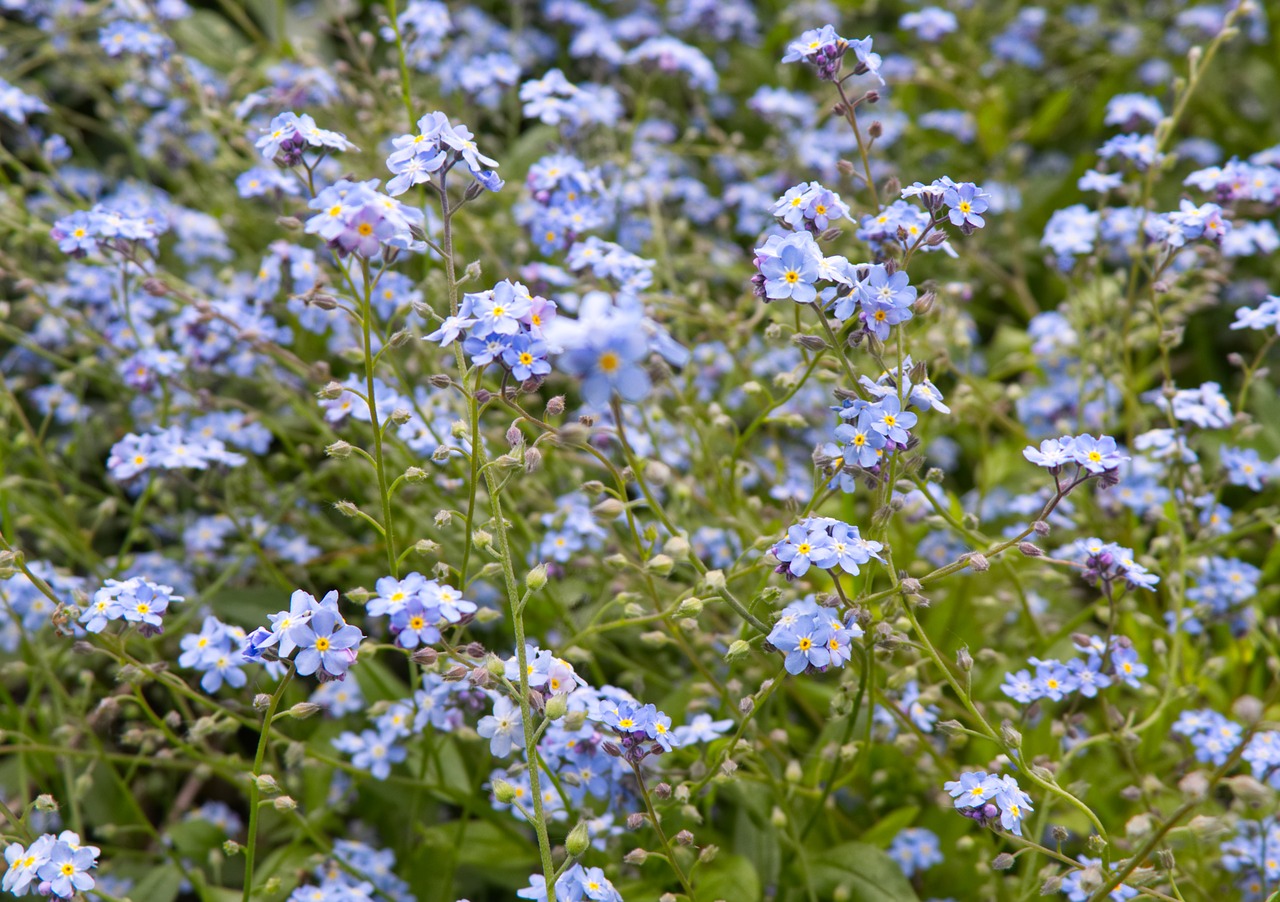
(1095, 669)
(50, 866)
(554, 100)
(811, 207)
(1091, 456)
(825, 543)
(988, 798)
(641, 729)
(823, 49)
(916, 849)
(437, 148)
(1251, 855)
(337, 881)
(577, 884)
(565, 201)
(326, 645)
(356, 218)
(174, 448)
(505, 325)
(418, 607)
(135, 600)
(215, 651)
(1110, 565)
(813, 638)
(289, 136)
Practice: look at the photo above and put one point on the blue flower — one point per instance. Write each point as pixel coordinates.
(966, 202)
(805, 644)
(803, 546)
(328, 645)
(607, 354)
(503, 728)
(890, 420)
(526, 358)
(1244, 467)
(792, 272)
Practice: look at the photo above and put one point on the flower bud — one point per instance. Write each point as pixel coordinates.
(690, 607)
(608, 509)
(537, 578)
(1029, 549)
(660, 564)
(339, 450)
(1011, 737)
(346, 508)
(504, 792)
(303, 710)
(557, 706)
(284, 803)
(578, 840)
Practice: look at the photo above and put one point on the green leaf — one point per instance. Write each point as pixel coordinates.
(728, 877)
(884, 830)
(867, 872)
(160, 885)
(209, 37)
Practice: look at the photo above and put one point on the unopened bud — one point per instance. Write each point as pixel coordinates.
(426, 657)
(537, 578)
(340, 450)
(303, 710)
(1012, 738)
(608, 510)
(1002, 862)
(504, 792)
(964, 660)
(346, 508)
(978, 562)
(660, 564)
(557, 707)
(578, 840)
(1029, 549)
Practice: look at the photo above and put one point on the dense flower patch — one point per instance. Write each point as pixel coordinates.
(624, 450)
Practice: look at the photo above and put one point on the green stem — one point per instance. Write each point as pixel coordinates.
(251, 840)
